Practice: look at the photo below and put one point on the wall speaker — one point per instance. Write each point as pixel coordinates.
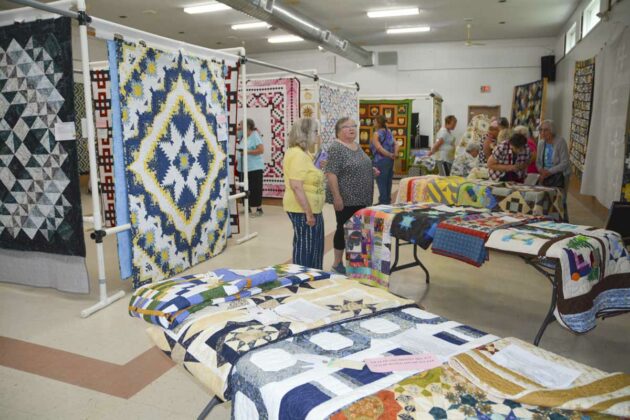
(548, 67)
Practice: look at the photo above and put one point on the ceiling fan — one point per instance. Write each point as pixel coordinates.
(469, 42)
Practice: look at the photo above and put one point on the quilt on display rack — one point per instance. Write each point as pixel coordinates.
(437, 114)
(583, 87)
(40, 206)
(595, 267)
(471, 385)
(368, 241)
(398, 114)
(231, 86)
(274, 105)
(210, 342)
(335, 103)
(625, 188)
(79, 121)
(317, 372)
(475, 133)
(528, 104)
(102, 103)
(175, 131)
(309, 101)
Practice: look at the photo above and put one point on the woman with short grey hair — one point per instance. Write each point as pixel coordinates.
(552, 160)
(304, 194)
(531, 144)
(467, 161)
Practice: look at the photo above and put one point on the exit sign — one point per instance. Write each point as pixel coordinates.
(485, 88)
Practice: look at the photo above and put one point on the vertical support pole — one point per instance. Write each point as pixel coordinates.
(244, 144)
(96, 204)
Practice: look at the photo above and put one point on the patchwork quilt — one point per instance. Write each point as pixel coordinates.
(335, 103)
(309, 101)
(174, 137)
(274, 105)
(528, 104)
(444, 392)
(583, 87)
(102, 104)
(475, 133)
(232, 88)
(79, 117)
(592, 391)
(40, 201)
(595, 267)
(296, 378)
(210, 342)
(419, 226)
(437, 114)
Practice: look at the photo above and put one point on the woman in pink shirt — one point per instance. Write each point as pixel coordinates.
(531, 143)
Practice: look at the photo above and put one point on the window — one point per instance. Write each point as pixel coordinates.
(590, 18)
(570, 38)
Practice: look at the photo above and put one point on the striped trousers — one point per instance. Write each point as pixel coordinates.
(308, 242)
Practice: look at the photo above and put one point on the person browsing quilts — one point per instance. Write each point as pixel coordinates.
(489, 142)
(552, 160)
(509, 160)
(255, 164)
(304, 195)
(350, 182)
(384, 150)
(467, 161)
(444, 147)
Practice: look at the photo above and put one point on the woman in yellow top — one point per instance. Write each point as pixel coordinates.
(304, 195)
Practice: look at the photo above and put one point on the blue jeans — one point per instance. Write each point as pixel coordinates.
(308, 242)
(384, 180)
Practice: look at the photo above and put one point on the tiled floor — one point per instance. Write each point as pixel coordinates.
(53, 364)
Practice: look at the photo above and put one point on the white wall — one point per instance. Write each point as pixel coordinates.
(561, 100)
(454, 71)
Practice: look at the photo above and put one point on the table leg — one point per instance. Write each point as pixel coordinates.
(415, 256)
(550, 317)
(208, 408)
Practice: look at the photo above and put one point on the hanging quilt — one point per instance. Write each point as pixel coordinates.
(398, 114)
(231, 87)
(175, 131)
(335, 103)
(625, 189)
(79, 118)
(528, 104)
(437, 114)
(309, 101)
(102, 103)
(40, 202)
(583, 86)
(274, 105)
(475, 133)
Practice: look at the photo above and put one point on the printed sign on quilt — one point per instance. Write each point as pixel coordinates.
(231, 87)
(40, 206)
(528, 104)
(102, 103)
(335, 103)
(274, 105)
(175, 131)
(583, 83)
(398, 114)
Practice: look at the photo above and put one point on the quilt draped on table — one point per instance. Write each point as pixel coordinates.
(335, 103)
(40, 201)
(102, 103)
(274, 105)
(173, 109)
(210, 342)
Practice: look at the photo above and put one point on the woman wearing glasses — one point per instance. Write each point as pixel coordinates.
(350, 182)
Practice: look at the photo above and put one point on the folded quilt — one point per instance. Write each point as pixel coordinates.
(168, 303)
(318, 372)
(419, 226)
(592, 391)
(211, 341)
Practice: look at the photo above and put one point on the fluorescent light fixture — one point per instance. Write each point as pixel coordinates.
(250, 25)
(410, 30)
(393, 12)
(206, 8)
(284, 38)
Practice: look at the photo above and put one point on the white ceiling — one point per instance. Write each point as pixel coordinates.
(346, 18)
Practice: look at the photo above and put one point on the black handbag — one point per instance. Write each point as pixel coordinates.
(554, 180)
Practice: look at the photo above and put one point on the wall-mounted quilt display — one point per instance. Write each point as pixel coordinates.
(274, 105)
(625, 189)
(437, 114)
(309, 101)
(528, 104)
(335, 103)
(174, 138)
(102, 104)
(398, 114)
(79, 117)
(40, 202)
(583, 83)
(231, 87)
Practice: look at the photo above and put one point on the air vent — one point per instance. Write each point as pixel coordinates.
(387, 58)
(344, 45)
(267, 5)
(325, 36)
